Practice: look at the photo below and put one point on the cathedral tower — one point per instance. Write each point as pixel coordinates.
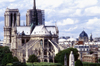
(12, 18)
(35, 14)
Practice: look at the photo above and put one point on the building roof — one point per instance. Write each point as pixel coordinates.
(83, 34)
(26, 30)
(51, 29)
(62, 40)
(38, 30)
(71, 39)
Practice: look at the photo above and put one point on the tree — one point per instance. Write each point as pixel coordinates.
(60, 56)
(8, 58)
(99, 60)
(91, 52)
(78, 63)
(5, 56)
(32, 58)
(15, 59)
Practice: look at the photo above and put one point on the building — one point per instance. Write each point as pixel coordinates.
(83, 36)
(67, 43)
(82, 49)
(1, 43)
(90, 58)
(26, 40)
(97, 39)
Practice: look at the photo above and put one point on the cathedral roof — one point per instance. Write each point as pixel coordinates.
(83, 34)
(23, 28)
(51, 29)
(40, 30)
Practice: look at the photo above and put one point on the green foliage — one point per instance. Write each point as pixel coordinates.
(60, 56)
(16, 64)
(90, 64)
(43, 64)
(19, 64)
(78, 63)
(6, 56)
(32, 58)
(99, 60)
(15, 59)
(9, 64)
(91, 52)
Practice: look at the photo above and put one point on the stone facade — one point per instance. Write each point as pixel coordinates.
(93, 58)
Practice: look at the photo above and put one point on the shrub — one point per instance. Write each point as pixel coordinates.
(32, 58)
(78, 63)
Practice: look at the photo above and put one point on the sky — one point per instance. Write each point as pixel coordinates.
(71, 16)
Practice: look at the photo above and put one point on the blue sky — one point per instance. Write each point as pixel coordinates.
(71, 16)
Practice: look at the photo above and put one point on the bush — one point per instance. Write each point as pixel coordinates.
(15, 59)
(78, 63)
(99, 60)
(90, 64)
(32, 58)
(19, 64)
(47, 64)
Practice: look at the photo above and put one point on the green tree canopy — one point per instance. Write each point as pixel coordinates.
(6, 56)
(78, 63)
(15, 59)
(60, 56)
(32, 58)
(99, 60)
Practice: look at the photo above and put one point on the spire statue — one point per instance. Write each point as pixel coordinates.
(71, 59)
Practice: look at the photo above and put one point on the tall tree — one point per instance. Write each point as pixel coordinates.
(60, 56)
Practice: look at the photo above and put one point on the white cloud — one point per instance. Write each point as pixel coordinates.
(2, 23)
(71, 29)
(2, 12)
(49, 22)
(67, 21)
(49, 3)
(77, 12)
(91, 11)
(95, 22)
(2, 1)
(85, 3)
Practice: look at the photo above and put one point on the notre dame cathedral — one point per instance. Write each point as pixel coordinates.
(32, 38)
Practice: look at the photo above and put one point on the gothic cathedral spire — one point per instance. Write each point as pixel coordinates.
(34, 18)
(34, 7)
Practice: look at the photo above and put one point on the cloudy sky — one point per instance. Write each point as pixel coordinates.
(71, 16)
